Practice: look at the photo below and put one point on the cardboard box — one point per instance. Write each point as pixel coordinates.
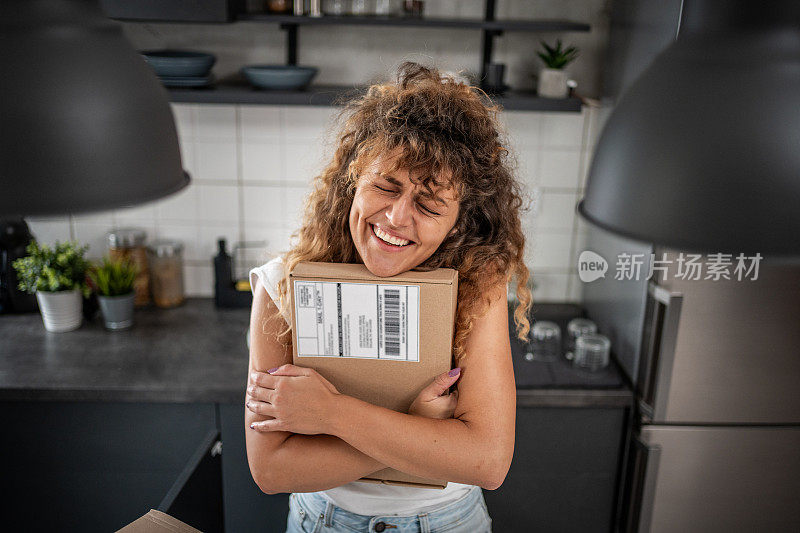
(381, 340)
(157, 522)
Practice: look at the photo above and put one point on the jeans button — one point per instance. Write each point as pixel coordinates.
(380, 526)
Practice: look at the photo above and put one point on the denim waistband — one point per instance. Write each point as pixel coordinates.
(445, 517)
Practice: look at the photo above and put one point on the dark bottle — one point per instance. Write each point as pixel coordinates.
(223, 273)
(225, 293)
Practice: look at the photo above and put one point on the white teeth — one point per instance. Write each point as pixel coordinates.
(388, 238)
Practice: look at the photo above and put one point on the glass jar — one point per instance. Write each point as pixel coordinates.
(387, 7)
(336, 7)
(361, 7)
(128, 243)
(166, 260)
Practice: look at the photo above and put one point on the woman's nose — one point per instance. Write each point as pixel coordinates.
(400, 213)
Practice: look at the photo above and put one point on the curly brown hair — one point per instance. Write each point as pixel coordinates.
(443, 128)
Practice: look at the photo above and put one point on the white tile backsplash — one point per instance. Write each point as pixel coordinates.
(215, 122)
(143, 214)
(252, 167)
(276, 238)
(184, 120)
(208, 235)
(295, 198)
(262, 161)
(264, 205)
(303, 159)
(549, 286)
(49, 229)
(524, 127)
(181, 206)
(215, 160)
(559, 168)
(101, 217)
(260, 123)
(550, 250)
(198, 280)
(562, 130)
(218, 203)
(556, 211)
(95, 236)
(307, 122)
(186, 234)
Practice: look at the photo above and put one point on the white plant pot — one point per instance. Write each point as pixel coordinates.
(61, 310)
(552, 83)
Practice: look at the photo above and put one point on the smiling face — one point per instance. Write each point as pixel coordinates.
(394, 222)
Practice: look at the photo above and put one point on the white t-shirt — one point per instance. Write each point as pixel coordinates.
(358, 497)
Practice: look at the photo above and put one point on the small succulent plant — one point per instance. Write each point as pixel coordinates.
(557, 57)
(61, 267)
(114, 277)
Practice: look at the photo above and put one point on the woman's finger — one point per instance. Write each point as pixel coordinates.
(262, 379)
(260, 393)
(290, 370)
(440, 384)
(266, 425)
(260, 408)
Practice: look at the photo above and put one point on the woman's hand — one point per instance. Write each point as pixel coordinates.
(298, 399)
(431, 404)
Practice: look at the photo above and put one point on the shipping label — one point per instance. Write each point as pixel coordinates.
(363, 320)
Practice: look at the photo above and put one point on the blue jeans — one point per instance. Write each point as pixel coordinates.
(311, 513)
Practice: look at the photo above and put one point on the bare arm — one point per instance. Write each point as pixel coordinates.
(281, 461)
(475, 447)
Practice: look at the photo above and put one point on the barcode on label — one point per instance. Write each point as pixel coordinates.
(365, 320)
(391, 314)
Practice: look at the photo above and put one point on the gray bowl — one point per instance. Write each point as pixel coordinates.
(181, 63)
(284, 77)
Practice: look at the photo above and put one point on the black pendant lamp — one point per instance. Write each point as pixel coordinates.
(85, 124)
(702, 153)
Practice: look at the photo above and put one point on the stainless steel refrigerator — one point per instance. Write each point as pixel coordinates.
(715, 364)
(716, 369)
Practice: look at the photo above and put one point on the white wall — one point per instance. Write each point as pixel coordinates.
(251, 166)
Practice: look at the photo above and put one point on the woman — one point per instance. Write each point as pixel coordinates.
(418, 180)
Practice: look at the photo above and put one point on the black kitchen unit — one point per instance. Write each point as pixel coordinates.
(100, 427)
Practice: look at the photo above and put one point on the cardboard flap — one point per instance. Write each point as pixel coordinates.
(347, 271)
(157, 522)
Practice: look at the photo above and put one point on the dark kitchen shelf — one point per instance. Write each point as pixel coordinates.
(239, 92)
(494, 25)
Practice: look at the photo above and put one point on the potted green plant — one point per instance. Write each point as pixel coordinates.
(553, 78)
(113, 281)
(57, 275)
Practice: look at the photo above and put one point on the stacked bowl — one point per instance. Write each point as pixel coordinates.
(181, 68)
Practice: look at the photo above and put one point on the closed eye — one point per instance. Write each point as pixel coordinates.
(430, 210)
(425, 209)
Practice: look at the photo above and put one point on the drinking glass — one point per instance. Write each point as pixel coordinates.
(592, 352)
(545, 344)
(575, 328)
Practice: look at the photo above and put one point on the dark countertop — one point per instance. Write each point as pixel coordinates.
(198, 353)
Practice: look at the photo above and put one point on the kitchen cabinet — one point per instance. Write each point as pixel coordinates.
(100, 427)
(97, 466)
